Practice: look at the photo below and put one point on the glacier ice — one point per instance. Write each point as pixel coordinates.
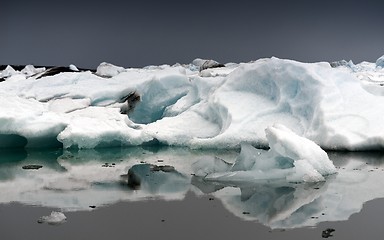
(291, 158)
(339, 107)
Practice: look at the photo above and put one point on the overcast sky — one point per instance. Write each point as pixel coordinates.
(140, 33)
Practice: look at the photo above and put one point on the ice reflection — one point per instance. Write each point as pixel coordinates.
(277, 205)
(284, 205)
(76, 180)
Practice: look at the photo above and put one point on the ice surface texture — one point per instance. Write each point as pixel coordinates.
(337, 108)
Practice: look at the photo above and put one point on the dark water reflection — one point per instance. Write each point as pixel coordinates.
(75, 180)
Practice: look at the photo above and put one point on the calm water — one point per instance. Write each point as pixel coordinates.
(91, 188)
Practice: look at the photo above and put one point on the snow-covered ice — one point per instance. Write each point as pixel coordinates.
(338, 107)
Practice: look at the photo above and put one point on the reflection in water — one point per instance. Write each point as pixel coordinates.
(156, 179)
(277, 205)
(287, 205)
(75, 180)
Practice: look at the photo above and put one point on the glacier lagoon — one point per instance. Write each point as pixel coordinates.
(136, 136)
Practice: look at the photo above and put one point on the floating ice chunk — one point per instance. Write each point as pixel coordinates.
(285, 143)
(53, 219)
(291, 158)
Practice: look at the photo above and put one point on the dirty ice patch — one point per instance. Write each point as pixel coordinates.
(291, 158)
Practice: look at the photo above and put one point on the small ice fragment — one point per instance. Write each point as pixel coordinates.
(53, 219)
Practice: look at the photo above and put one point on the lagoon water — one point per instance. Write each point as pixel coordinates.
(90, 188)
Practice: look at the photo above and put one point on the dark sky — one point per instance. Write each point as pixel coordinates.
(140, 33)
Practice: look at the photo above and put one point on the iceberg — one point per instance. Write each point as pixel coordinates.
(291, 158)
(339, 107)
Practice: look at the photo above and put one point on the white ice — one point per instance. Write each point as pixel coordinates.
(338, 108)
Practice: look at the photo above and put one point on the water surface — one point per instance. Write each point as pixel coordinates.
(91, 188)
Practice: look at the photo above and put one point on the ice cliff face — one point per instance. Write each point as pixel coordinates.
(338, 108)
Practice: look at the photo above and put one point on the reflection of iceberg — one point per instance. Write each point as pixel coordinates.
(154, 179)
(76, 180)
(290, 158)
(291, 205)
(275, 205)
